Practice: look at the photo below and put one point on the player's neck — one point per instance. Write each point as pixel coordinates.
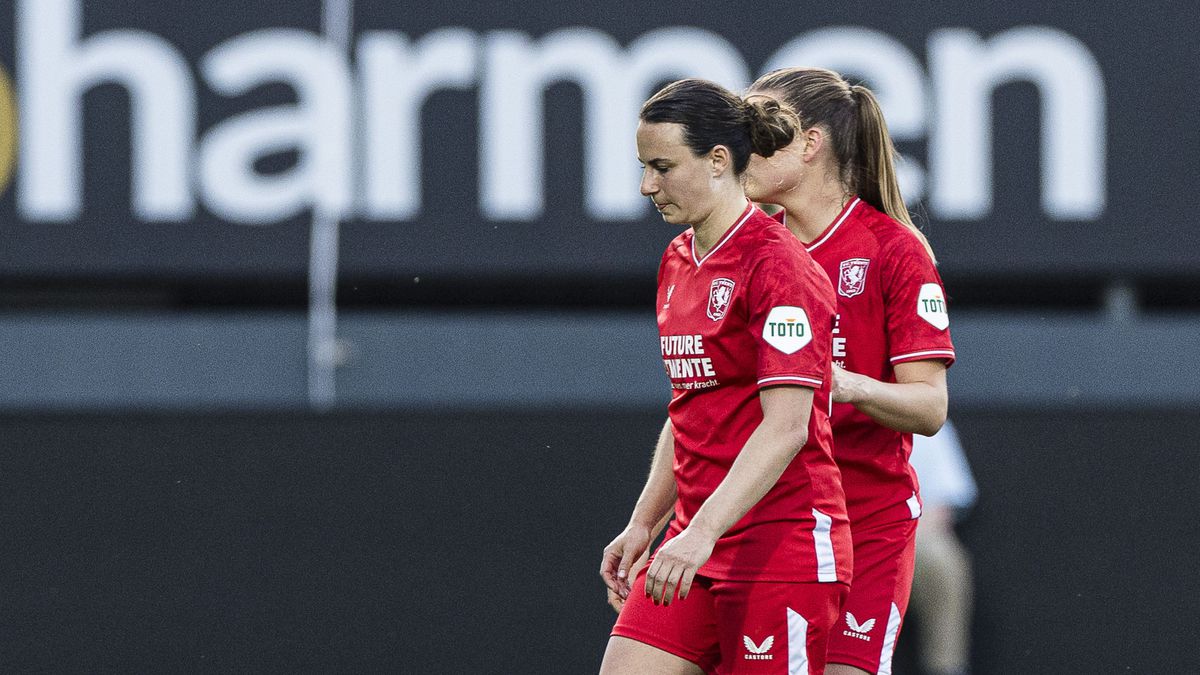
(710, 231)
(811, 212)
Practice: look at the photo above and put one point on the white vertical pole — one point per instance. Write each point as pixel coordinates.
(337, 18)
(1121, 300)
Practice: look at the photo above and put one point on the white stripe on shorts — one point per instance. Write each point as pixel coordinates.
(797, 643)
(823, 543)
(889, 641)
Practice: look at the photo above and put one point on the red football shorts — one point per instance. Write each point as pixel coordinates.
(865, 634)
(759, 627)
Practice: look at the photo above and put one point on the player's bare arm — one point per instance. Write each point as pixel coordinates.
(915, 403)
(650, 514)
(757, 468)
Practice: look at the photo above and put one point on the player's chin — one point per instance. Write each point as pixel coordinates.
(671, 215)
(756, 194)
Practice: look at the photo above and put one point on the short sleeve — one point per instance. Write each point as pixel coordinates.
(790, 319)
(917, 315)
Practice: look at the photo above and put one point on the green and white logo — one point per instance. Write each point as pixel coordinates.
(787, 329)
(931, 306)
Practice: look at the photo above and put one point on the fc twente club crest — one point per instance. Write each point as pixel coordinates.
(853, 277)
(719, 295)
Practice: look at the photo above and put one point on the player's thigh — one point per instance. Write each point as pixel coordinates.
(843, 669)
(770, 628)
(865, 636)
(676, 638)
(625, 656)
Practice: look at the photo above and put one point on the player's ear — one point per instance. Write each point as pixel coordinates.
(721, 159)
(814, 140)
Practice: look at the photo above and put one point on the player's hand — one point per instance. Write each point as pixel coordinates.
(676, 564)
(617, 567)
(617, 601)
(847, 387)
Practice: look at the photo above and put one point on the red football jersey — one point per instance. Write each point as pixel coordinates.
(756, 311)
(891, 309)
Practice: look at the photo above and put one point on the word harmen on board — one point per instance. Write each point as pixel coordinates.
(356, 122)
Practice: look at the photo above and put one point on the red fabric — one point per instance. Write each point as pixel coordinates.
(718, 349)
(710, 628)
(883, 570)
(885, 316)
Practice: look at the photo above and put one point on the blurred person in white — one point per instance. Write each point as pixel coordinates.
(941, 593)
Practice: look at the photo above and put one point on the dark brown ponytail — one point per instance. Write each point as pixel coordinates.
(772, 124)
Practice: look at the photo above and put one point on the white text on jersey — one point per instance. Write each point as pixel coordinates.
(683, 357)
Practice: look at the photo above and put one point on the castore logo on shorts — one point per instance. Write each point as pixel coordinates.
(858, 630)
(758, 652)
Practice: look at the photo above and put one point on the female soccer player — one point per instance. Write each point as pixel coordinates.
(837, 184)
(754, 566)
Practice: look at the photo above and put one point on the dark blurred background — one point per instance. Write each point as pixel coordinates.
(328, 340)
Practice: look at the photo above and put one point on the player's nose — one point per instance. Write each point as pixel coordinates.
(648, 186)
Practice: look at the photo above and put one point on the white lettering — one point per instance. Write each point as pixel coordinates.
(396, 78)
(839, 347)
(614, 83)
(676, 345)
(396, 75)
(966, 70)
(318, 125)
(689, 367)
(56, 68)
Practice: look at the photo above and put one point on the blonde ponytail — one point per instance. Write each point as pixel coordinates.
(876, 181)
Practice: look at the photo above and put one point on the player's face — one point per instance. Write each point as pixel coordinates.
(769, 179)
(680, 184)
